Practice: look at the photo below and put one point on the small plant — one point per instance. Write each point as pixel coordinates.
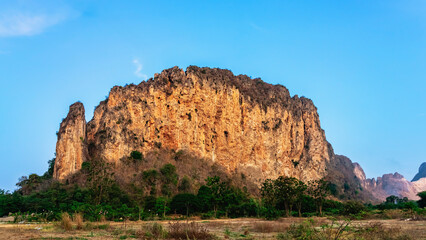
(227, 233)
(78, 220)
(305, 230)
(88, 226)
(103, 226)
(157, 144)
(154, 231)
(178, 155)
(158, 230)
(188, 231)
(66, 222)
(102, 218)
(117, 231)
(282, 236)
(376, 230)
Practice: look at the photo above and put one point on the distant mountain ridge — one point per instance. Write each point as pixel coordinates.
(393, 184)
(421, 173)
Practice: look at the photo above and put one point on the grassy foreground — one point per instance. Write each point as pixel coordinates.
(241, 228)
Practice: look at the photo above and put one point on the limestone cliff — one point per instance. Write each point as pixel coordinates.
(244, 125)
(71, 150)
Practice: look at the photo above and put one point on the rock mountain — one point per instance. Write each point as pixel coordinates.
(390, 184)
(421, 173)
(249, 129)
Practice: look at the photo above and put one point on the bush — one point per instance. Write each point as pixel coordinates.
(376, 230)
(305, 230)
(65, 222)
(188, 231)
(393, 214)
(353, 207)
(154, 231)
(270, 213)
(136, 155)
(422, 201)
(207, 215)
(169, 173)
(78, 220)
(103, 226)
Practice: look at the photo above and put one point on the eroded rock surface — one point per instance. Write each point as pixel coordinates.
(71, 150)
(243, 124)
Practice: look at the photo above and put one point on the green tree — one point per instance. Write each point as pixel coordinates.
(204, 196)
(161, 206)
(168, 172)
(319, 190)
(220, 193)
(300, 190)
(185, 185)
(392, 199)
(185, 203)
(283, 190)
(422, 201)
(286, 192)
(150, 178)
(353, 207)
(100, 180)
(268, 192)
(28, 185)
(51, 166)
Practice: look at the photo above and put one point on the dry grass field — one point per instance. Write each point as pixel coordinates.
(242, 228)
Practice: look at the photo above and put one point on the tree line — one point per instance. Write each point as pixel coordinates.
(42, 198)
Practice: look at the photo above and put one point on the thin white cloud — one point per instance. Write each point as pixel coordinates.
(25, 24)
(138, 71)
(28, 17)
(257, 27)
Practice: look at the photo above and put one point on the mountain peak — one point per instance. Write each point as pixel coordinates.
(421, 173)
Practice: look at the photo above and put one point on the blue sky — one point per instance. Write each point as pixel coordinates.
(363, 63)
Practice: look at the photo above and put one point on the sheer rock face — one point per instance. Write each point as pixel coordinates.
(243, 124)
(71, 150)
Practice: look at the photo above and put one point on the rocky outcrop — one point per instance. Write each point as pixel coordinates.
(71, 149)
(242, 124)
(421, 173)
(348, 178)
(419, 185)
(225, 124)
